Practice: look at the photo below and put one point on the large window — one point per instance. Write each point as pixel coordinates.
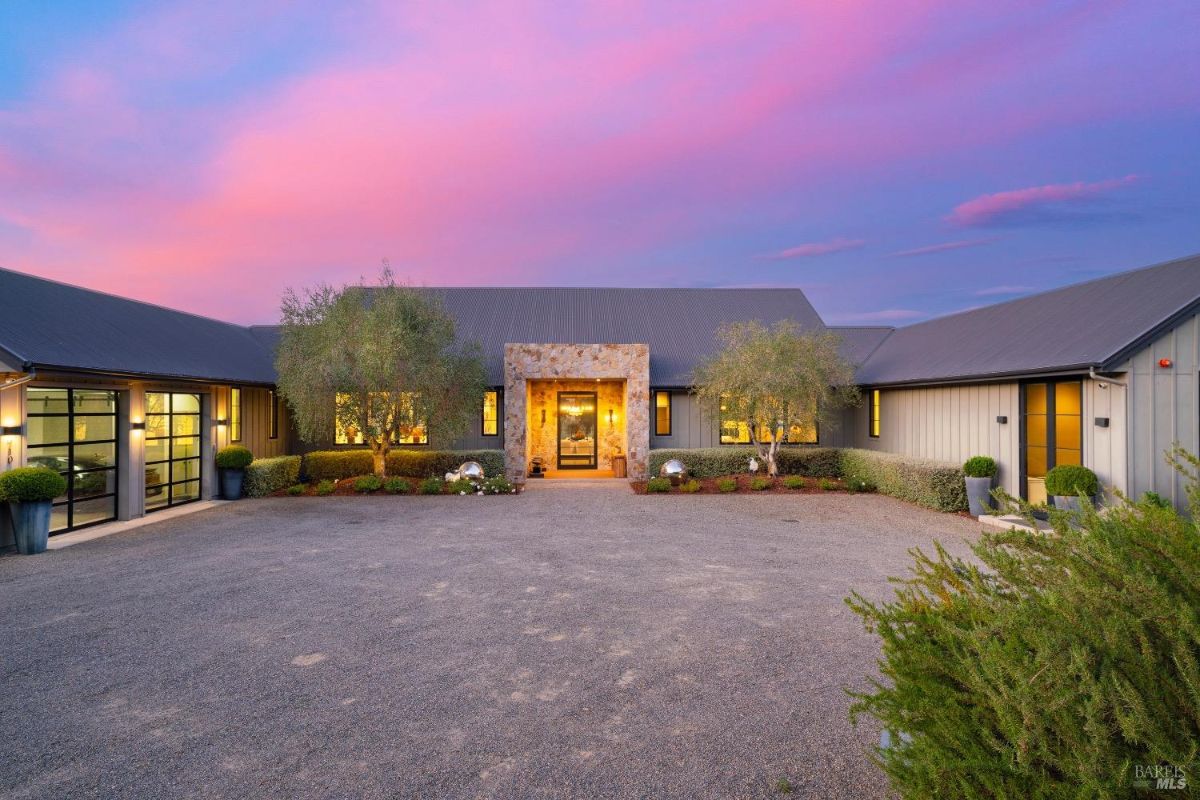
(735, 430)
(172, 449)
(491, 413)
(873, 410)
(235, 414)
(1052, 432)
(411, 430)
(74, 432)
(662, 413)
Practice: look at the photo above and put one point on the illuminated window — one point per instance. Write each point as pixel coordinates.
(733, 429)
(409, 429)
(274, 415)
(874, 413)
(662, 413)
(491, 413)
(800, 433)
(235, 414)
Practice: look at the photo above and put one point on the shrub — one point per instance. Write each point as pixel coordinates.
(266, 476)
(980, 467)
(462, 486)
(1154, 499)
(933, 484)
(31, 485)
(436, 463)
(726, 485)
(759, 484)
(397, 486)
(859, 485)
(793, 482)
(713, 462)
(826, 485)
(368, 483)
(325, 487)
(234, 457)
(1049, 665)
(657, 485)
(690, 487)
(1071, 480)
(334, 465)
(297, 489)
(431, 486)
(498, 484)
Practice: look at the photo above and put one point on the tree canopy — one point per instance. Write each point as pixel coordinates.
(381, 361)
(775, 380)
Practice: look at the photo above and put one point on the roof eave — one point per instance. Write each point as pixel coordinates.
(49, 370)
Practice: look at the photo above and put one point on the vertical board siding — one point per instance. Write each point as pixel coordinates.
(256, 421)
(1164, 409)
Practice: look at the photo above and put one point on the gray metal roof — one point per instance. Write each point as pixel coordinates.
(1096, 323)
(860, 341)
(55, 325)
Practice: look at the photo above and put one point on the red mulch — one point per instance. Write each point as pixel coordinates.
(345, 488)
(709, 486)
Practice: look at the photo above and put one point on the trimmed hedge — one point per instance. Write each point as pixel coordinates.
(234, 457)
(713, 462)
(265, 476)
(1072, 480)
(933, 484)
(338, 464)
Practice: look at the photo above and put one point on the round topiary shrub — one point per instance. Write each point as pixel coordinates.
(1072, 480)
(980, 467)
(31, 485)
(658, 485)
(234, 457)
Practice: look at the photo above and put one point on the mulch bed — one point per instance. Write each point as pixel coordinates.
(709, 486)
(345, 488)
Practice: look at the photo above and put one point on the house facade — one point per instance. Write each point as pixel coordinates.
(131, 400)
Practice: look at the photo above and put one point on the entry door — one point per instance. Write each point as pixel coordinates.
(576, 430)
(172, 449)
(1051, 433)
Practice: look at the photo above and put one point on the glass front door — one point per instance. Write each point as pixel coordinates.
(1052, 432)
(576, 430)
(172, 449)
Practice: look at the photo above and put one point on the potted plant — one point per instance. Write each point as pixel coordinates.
(980, 471)
(1067, 482)
(29, 492)
(232, 462)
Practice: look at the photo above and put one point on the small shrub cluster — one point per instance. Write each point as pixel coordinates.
(713, 462)
(498, 484)
(1072, 480)
(234, 457)
(335, 465)
(266, 476)
(1050, 665)
(690, 487)
(397, 486)
(932, 484)
(340, 464)
(325, 487)
(368, 483)
(726, 485)
(431, 486)
(760, 484)
(980, 467)
(461, 486)
(31, 485)
(657, 485)
(826, 485)
(297, 489)
(793, 482)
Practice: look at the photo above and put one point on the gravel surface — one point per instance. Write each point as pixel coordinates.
(575, 641)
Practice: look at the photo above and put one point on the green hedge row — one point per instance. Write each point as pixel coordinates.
(267, 475)
(713, 462)
(338, 464)
(933, 484)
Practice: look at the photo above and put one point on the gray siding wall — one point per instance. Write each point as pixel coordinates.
(474, 439)
(1163, 409)
(692, 427)
(256, 422)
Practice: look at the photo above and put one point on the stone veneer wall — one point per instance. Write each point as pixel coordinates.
(543, 439)
(622, 362)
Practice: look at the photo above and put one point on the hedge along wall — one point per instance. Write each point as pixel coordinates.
(933, 484)
(338, 464)
(713, 462)
(267, 475)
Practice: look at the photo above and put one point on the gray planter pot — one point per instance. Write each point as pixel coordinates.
(1068, 503)
(31, 526)
(231, 483)
(979, 496)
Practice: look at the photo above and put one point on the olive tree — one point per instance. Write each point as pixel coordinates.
(377, 360)
(774, 380)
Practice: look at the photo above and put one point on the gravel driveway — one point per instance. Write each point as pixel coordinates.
(574, 641)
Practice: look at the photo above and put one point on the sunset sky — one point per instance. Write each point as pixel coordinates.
(896, 159)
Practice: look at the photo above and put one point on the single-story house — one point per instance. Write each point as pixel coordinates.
(130, 400)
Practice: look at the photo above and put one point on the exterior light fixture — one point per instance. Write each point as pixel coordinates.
(221, 422)
(1165, 363)
(610, 418)
(1003, 420)
(543, 416)
(137, 426)
(10, 430)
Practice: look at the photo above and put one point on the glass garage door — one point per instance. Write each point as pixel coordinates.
(172, 449)
(74, 432)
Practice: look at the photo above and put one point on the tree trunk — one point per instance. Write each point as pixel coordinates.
(380, 457)
(772, 465)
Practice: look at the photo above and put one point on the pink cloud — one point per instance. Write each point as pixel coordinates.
(1004, 206)
(941, 248)
(816, 249)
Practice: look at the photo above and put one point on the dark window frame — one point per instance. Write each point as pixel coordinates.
(235, 413)
(670, 410)
(170, 483)
(595, 430)
(1051, 427)
(483, 420)
(875, 413)
(274, 432)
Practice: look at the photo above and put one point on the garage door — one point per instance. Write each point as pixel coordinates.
(172, 449)
(74, 432)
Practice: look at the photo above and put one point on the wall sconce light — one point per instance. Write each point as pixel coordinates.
(1003, 420)
(137, 426)
(543, 417)
(10, 430)
(221, 422)
(1101, 422)
(610, 418)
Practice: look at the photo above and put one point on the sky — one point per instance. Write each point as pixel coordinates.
(897, 160)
